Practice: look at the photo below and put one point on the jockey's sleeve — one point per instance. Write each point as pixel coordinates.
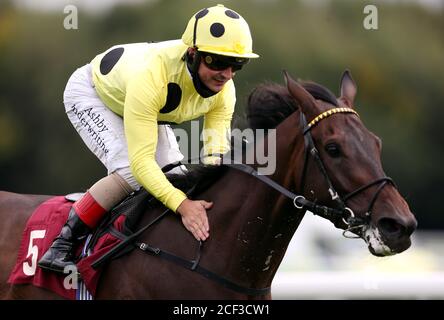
(217, 125)
(142, 104)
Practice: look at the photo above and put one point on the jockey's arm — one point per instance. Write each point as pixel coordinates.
(217, 127)
(142, 104)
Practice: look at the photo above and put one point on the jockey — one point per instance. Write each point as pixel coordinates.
(121, 104)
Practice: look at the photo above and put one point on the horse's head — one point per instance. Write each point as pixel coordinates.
(346, 171)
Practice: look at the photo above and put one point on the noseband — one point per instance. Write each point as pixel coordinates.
(342, 212)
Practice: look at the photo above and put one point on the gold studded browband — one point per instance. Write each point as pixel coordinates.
(328, 113)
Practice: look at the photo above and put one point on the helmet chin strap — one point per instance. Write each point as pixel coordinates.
(193, 67)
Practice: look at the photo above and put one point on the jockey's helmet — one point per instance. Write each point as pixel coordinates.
(220, 31)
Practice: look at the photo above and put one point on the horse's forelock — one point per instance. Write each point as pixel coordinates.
(320, 92)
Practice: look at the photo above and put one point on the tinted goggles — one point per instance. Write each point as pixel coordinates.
(218, 62)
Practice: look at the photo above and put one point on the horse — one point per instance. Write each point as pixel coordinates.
(327, 162)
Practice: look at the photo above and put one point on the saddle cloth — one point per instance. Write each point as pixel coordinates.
(41, 228)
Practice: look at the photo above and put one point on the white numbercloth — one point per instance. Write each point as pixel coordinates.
(103, 132)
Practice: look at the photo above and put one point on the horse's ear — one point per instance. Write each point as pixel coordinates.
(348, 89)
(302, 97)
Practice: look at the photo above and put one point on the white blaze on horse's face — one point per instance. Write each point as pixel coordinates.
(375, 242)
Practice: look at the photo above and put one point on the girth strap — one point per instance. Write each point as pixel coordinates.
(193, 265)
(122, 245)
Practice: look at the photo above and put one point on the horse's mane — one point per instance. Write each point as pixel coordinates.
(268, 105)
(199, 176)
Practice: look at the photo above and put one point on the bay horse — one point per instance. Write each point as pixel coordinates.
(327, 162)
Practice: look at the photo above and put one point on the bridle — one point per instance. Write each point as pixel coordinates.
(339, 213)
(344, 213)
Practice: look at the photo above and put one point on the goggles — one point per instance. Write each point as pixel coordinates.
(218, 62)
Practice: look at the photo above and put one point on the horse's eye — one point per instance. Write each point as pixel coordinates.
(333, 150)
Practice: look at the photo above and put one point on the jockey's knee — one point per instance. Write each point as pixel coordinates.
(110, 190)
(125, 176)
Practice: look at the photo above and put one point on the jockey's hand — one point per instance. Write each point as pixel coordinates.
(194, 217)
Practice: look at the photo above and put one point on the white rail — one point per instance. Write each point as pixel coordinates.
(358, 285)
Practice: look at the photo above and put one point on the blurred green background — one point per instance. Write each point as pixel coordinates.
(399, 69)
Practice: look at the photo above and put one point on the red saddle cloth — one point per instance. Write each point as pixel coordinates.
(42, 227)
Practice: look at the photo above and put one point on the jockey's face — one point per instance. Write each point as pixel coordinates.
(216, 72)
(214, 79)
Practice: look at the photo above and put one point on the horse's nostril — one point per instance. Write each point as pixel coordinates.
(390, 227)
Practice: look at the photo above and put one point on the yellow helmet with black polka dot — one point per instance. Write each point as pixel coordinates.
(221, 31)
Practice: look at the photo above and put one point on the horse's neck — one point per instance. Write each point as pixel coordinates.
(263, 221)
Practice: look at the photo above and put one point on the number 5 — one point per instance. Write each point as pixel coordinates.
(33, 251)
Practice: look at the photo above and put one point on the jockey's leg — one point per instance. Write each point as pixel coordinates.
(84, 216)
(168, 150)
(103, 133)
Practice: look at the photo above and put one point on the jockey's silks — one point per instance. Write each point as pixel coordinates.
(149, 82)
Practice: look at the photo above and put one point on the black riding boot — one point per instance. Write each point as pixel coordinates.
(61, 253)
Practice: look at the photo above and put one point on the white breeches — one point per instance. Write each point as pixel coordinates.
(103, 132)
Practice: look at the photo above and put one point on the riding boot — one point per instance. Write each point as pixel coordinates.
(62, 251)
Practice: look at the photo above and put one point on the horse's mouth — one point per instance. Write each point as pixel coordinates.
(376, 253)
(376, 244)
